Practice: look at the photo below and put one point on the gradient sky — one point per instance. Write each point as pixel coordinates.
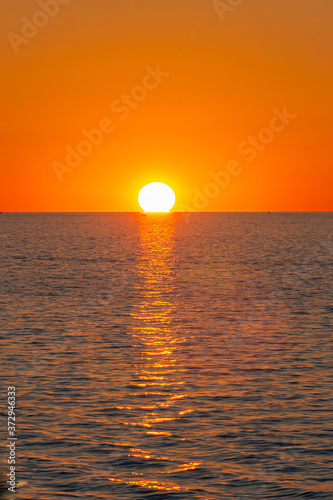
(226, 74)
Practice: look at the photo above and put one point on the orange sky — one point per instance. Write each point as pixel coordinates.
(224, 77)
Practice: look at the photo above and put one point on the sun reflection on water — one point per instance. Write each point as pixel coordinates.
(157, 377)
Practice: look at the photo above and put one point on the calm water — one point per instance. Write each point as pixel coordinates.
(163, 357)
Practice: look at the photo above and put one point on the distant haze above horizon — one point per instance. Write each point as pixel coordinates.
(229, 105)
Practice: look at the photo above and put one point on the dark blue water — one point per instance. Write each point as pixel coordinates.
(163, 357)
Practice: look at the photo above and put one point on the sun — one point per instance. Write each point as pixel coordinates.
(156, 197)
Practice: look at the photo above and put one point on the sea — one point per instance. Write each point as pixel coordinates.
(167, 356)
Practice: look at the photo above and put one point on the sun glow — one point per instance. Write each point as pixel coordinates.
(156, 197)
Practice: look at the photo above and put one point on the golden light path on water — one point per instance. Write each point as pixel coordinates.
(158, 375)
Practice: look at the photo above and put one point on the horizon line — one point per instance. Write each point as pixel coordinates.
(175, 212)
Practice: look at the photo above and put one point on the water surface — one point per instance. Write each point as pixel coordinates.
(169, 357)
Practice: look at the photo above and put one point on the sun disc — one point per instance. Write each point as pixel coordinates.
(156, 197)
